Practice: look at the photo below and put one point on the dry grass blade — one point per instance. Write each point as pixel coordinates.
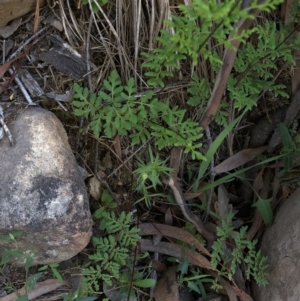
(64, 20)
(36, 17)
(151, 25)
(77, 32)
(116, 35)
(136, 22)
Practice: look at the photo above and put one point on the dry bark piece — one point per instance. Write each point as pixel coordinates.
(64, 58)
(30, 83)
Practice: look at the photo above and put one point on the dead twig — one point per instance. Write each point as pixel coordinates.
(179, 198)
(212, 174)
(3, 127)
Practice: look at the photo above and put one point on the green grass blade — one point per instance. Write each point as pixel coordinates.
(213, 148)
(288, 146)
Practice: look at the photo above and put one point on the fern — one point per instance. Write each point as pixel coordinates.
(199, 22)
(111, 251)
(255, 262)
(258, 67)
(115, 110)
(199, 95)
(216, 19)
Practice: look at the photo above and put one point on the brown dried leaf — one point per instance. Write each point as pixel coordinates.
(258, 183)
(158, 266)
(257, 222)
(266, 185)
(232, 291)
(239, 159)
(169, 217)
(222, 205)
(174, 250)
(167, 288)
(262, 186)
(40, 288)
(117, 146)
(286, 191)
(174, 232)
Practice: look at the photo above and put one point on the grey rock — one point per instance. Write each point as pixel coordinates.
(281, 243)
(42, 192)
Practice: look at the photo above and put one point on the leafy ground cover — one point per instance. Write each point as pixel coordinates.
(165, 124)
